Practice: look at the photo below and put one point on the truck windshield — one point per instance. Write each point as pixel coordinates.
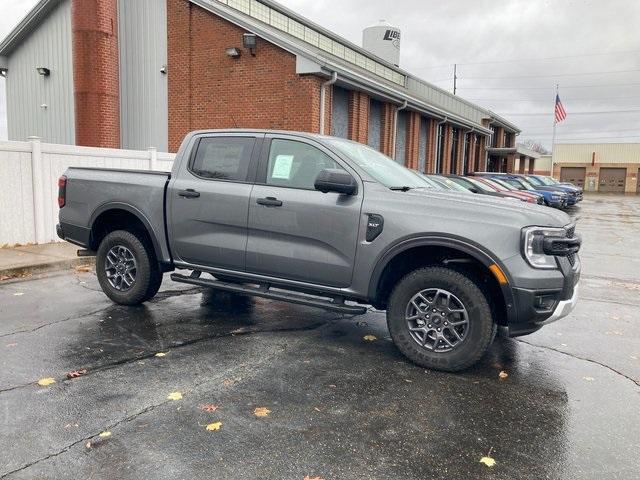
(378, 166)
(535, 180)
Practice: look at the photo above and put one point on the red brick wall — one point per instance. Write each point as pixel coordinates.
(446, 154)
(432, 142)
(413, 140)
(386, 128)
(94, 26)
(358, 116)
(471, 163)
(208, 89)
(482, 161)
(460, 153)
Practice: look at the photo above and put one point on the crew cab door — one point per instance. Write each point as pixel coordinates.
(208, 201)
(295, 231)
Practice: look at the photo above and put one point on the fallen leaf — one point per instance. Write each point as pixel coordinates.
(43, 382)
(11, 345)
(317, 409)
(588, 379)
(18, 294)
(106, 434)
(227, 382)
(261, 411)
(332, 386)
(307, 477)
(370, 338)
(174, 396)
(88, 445)
(615, 318)
(76, 373)
(503, 375)
(214, 427)
(83, 269)
(209, 407)
(488, 461)
(408, 381)
(161, 354)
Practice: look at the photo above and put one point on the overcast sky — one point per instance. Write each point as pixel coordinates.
(508, 55)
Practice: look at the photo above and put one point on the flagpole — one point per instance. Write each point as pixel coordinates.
(553, 140)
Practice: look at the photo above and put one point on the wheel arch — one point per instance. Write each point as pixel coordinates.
(121, 216)
(411, 253)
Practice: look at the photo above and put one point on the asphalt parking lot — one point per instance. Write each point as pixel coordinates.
(250, 388)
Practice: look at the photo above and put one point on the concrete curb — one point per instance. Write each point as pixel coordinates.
(45, 267)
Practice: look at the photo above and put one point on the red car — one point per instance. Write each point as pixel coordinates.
(510, 191)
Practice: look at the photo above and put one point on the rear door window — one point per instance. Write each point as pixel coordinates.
(223, 158)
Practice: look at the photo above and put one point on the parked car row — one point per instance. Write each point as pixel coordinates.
(538, 189)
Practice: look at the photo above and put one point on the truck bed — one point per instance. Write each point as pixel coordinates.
(91, 191)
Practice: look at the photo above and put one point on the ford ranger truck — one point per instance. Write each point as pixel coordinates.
(330, 223)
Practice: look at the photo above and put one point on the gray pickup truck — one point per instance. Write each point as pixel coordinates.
(330, 223)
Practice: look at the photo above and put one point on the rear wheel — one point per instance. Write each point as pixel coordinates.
(125, 270)
(440, 319)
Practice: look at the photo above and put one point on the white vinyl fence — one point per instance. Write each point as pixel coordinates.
(29, 172)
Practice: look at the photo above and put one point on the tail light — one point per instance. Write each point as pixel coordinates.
(62, 191)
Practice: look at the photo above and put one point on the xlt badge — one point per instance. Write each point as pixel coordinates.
(375, 225)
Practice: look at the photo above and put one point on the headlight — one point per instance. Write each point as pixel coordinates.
(533, 248)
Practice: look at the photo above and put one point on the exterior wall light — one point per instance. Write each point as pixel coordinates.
(163, 69)
(45, 72)
(4, 72)
(250, 42)
(232, 52)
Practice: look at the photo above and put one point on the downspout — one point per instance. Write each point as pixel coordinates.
(444, 120)
(323, 88)
(395, 128)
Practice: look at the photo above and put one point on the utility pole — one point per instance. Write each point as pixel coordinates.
(455, 77)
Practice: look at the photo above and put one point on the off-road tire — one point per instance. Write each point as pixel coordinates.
(143, 285)
(154, 283)
(481, 328)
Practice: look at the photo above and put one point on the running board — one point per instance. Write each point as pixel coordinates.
(264, 291)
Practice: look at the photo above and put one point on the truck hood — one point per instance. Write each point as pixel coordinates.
(490, 209)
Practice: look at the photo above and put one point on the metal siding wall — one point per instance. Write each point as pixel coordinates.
(142, 44)
(401, 138)
(375, 124)
(605, 153)
(340, 113)
(48, 46)
(422, 153)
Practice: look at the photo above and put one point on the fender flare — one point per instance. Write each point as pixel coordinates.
(135, 212)
(464, 245)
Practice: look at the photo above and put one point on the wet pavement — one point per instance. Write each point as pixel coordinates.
(340, 407)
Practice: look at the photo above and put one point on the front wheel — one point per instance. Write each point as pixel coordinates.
(124, 268)
(440, 319)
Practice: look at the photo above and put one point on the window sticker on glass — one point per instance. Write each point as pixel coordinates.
(282, 167)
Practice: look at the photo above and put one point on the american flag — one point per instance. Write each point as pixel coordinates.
(561, 113)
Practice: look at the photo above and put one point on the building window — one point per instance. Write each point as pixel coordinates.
(465, 155)
(494, 137)
(476, 167)
(454, 150)
(507, 139)
(440, 149)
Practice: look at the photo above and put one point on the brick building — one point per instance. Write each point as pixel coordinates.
(136, 74)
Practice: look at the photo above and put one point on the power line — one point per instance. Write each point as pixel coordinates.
(550, 88)
(565, 99)
(521, 60)
(585, 138)
(549, 75)
(590, 131)
(571, 113)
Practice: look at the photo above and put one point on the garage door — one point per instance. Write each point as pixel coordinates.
(573, 175)
(612, 179)
(638, 177)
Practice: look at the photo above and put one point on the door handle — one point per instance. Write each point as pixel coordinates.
(189, 193)
(269, 202)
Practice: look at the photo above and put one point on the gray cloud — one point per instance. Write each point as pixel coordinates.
(437, 34)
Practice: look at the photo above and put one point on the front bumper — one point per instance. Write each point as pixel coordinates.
(557, 203)
(544, 301)
(564, 308)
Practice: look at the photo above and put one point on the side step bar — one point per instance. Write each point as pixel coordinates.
(335, 305)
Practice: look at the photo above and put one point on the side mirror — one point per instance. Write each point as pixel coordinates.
(336, 180)
(474, 190)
